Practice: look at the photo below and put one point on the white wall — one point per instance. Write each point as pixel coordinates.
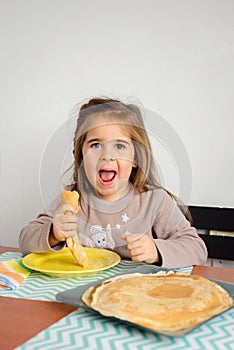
(175, 57)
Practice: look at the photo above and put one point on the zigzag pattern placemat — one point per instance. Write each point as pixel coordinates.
(84, 330)
(81, 330)
(42, 287)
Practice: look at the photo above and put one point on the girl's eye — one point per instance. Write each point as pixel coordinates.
(95, 145)
(120, 146)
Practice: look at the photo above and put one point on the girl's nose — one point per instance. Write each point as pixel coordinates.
(107, 153)
(107, 157)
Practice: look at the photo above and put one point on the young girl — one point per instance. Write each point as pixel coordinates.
(122, 205)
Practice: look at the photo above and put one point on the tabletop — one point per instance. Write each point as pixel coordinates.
(22, 319)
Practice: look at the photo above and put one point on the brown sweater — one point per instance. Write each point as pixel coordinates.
(101, 224)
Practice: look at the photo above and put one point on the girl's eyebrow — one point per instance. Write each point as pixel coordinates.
(123, 141)
(93, 140)
(100, 140)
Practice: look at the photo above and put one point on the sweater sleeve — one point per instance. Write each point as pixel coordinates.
(34, 237)
(177, 241)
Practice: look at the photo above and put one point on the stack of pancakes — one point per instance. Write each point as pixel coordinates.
(171, 304)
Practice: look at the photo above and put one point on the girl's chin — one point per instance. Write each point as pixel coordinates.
(114, 193)
(108, 194)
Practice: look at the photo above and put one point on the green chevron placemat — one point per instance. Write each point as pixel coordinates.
(43, 287)
(81, 330)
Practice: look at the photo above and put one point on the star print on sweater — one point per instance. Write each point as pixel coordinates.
(125, 218)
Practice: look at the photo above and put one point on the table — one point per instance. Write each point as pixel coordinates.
(22, 319)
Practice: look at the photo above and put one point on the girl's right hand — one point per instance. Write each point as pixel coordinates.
(65, 222)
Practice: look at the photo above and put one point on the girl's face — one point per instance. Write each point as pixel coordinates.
(108, 156)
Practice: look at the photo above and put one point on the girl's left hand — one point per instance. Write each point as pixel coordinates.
(142, 248)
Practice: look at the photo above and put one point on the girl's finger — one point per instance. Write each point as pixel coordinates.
(66, 208)
(68, 227)
(69, 219)
(139, 258)
(136, 251)
(133, 245)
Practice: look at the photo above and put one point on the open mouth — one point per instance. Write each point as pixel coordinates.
(107, 175)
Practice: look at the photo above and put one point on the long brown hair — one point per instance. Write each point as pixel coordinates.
(144, 175)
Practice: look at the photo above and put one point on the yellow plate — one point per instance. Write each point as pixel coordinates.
(62, 263)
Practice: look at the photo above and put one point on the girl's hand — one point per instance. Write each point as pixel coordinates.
(142, 248)
(64, 223)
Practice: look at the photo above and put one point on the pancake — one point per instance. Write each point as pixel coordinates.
(73, 243)
(171, 304)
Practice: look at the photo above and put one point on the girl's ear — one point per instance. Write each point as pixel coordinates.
(134, 164)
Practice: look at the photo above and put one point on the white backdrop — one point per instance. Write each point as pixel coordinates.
(176, 58)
